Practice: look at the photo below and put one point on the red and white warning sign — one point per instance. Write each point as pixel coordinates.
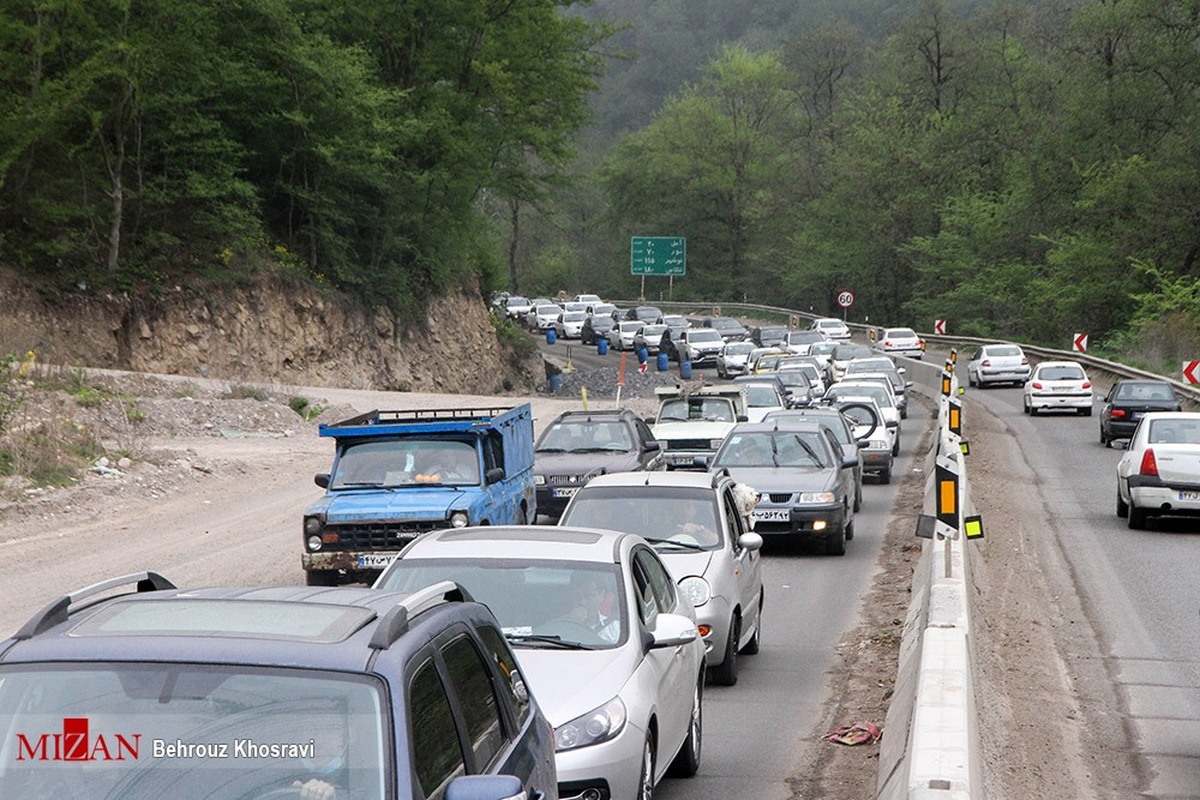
(939, 326)
(1079, 342)
(1191, 371)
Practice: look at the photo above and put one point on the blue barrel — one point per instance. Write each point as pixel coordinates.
(643, 355)
(685, 370)
(556, 380)
(602, 346)
(551, 336)
(664, 363)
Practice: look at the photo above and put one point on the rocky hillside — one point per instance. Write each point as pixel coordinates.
(290, 334)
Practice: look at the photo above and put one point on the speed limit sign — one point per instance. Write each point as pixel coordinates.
(845, 298)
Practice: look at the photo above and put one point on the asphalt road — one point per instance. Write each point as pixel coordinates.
(1137, 588)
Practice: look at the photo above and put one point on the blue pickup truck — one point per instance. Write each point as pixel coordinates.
(397, 474)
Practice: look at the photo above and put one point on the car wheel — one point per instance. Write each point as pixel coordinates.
(896, 449)
(726, 673)
(320, 577)
(885, 476)
(1087, 412)
(687, 762)
(1122, 506)
(1137, 518)
(835, 543)
(646, 780)
(1103, 438)
(849, 530)
(858, 498)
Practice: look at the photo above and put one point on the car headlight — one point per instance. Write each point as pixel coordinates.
(596, 726)
(459, 519)
(539, 480)
(313, 526)
(314, 543)
(715, 443)
(816, 497)
(696, 589)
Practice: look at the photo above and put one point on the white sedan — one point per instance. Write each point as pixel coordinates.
(1059, 384)
(1159, 473)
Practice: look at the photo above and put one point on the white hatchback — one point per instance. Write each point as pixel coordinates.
(1159, 473)
(1059, 384)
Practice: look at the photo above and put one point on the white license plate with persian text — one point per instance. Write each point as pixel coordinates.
(1189, 496)
(772, 514)
(376, 560)
(569, 492)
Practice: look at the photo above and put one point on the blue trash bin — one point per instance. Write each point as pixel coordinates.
(643, 355)
(556, 382)
(664, 363)
(685, 370)
(551, 336)
(602, 346)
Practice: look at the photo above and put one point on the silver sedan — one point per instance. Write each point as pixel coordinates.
(608, 644)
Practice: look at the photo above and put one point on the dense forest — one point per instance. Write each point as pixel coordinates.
(1021, 169)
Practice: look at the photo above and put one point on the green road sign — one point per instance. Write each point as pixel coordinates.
(657, 255)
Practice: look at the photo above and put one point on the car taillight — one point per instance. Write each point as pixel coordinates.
(986, 363)
(1118, 413)
(887, 342)
(1086, 385)
(1037, 384)
(1149, 464)
(1024, 362)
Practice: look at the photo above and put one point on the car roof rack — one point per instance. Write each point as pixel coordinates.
(394, 623)
(60, 610)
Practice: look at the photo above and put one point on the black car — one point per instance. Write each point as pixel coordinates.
(769, 335)
(580, 444)
(1128, 400)
(730, 329)
(235, 693)
(596, 327)
(805, 482)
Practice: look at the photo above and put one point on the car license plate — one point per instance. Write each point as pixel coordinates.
(569, 492)
(376, 560)
(1190, 496)
(772, 514)
(1063, 389)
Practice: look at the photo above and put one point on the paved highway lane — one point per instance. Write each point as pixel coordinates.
(1137, 588)
(765, 729)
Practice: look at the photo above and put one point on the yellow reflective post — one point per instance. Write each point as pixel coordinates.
(955, 417)
(953, 355)
(947, 496)
(583, 393)
(973, 527)
(946, 384)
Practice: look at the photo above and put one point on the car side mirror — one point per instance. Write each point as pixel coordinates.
(494, 475)
(672, 630)
(862, 444)
(750, 541)
(653, 445)
(850, 463)
(1119, 444)
(321, 479)
(742, 418)
(485, 787)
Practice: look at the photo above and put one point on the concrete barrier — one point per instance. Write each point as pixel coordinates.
(931, 747)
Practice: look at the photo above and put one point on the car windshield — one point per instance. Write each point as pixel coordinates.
(540, 604)
(653, 332)
(834, 424)
(1065, 372)
(822, 348)
(900, 333)
(762, 395)
(1001, 351)
(667, 516)
(586, 436)
(725, 324)
(392, 463)
(739, 348)
(778, 448)
(630, 327)
(704, 335)
(697, 409)
(647, 312)
(772, 333)
(1174, 431)
(546, 311)
(876, 391)
(804, 337)
(188, 732)
(848, 352)
(574, 316)
(1144, 391)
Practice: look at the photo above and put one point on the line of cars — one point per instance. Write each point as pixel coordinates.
(1158, 474)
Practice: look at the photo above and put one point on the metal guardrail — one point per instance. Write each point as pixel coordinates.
(1111, 369)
